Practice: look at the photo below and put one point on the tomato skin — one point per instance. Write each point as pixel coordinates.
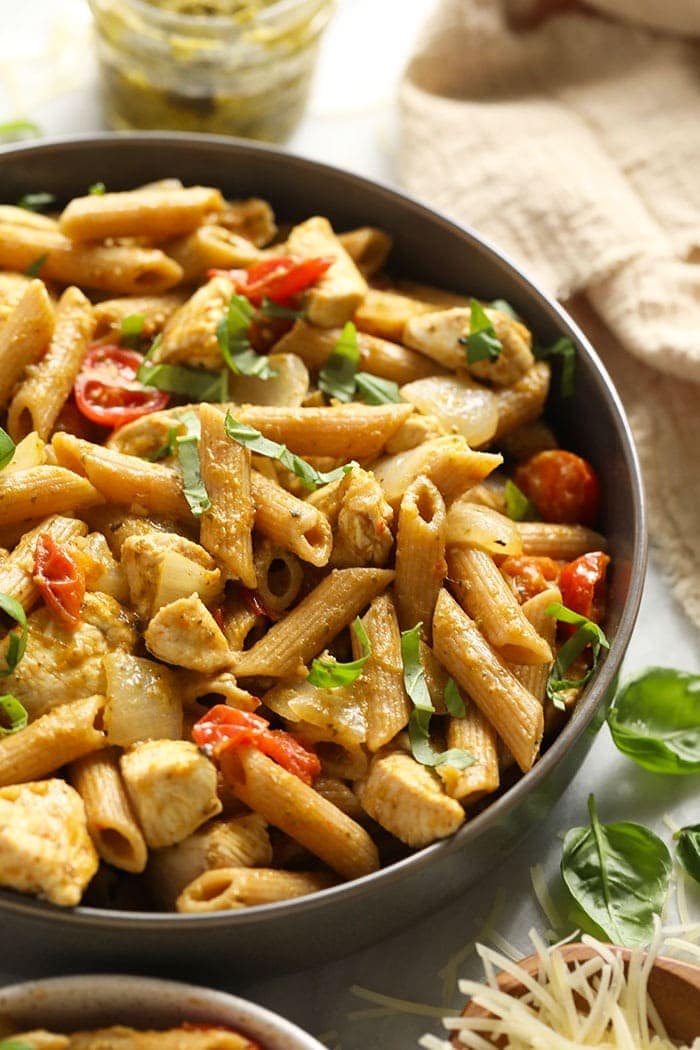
(107, 390)
(224, 728)
(60, 581)
(582, 584)
(281, 278)
(563, 486)
(530, 575)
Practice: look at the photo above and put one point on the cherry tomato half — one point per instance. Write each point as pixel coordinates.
(563, 486)
(281, 279)
(582, 585)
(107, 390)
(530, 574)
(61, 583)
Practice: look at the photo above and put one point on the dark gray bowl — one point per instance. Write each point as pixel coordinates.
(428, 247)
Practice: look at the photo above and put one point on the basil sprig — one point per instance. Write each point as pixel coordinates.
(330, 674)
(15, 1044)
(588, 633)
(36, 201)
(193, 383)
(340, 379)
(130, 330)
(504, 307)
(17, 643)
(7, 448)
(453, 699)
(97, 189)
(518, 506)
(270, 309)
(13, 717)
(34, 268)
(168, 448)
(310, 477)
(566, 351)
(187, 448)
(419, 722)
(618, 877)
(655, 720)
(232, 337)
(482, 343)
(688, 849)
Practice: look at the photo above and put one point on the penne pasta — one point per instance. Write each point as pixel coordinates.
(291, 522)
(226, 888)
(40, 491)
(153, 212)
(24, 337)
(474, 734)
(17, 568)
(110, 818)
(420, 554)
(53, 740)
(380, 687)
(549, 540)
(368, 247)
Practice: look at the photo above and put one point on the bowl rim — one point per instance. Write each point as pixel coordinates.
(594, 692)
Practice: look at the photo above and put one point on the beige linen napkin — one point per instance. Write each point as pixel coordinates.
(575, 146)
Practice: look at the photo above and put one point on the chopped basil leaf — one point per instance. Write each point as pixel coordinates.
(376, 391)
(130, 330)
(518, 506)
(232, 337)
(337, 377)
(482, 343)
(13, 131)
(453, 699)
(187, 448)
(505, 308)
(655, 720)
(192, 383)
(17, 643)
(566, 350)
(329, 674)
(15, 1044)
(36, 201)
(7, 448)
(254, 440)
(168, 449)
(419, 722)
(97, 189)
(588, 633)
(270, 309)
(34, 268)
(618, 877)
(688, 849)
(13, 717)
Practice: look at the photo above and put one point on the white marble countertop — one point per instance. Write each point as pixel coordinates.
(47, 74)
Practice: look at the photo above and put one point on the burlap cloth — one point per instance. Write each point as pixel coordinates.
(572, 140)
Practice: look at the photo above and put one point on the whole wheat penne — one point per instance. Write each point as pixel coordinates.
(312, 624)
(223, 889)
(119, 268)
(39, 400)
(39, 491)
(152, 213)
(24, 336)
(549, 540)
(534, 676)
(154, 310)
(380, 357)
(17, 568)
(420, 554)
(211, 247)
(16, 216)
(279, 575)
(368, 247)
(449, 462)
(333, 299)
(288, 803)
(380, 686)
(341, 795)
(56, 738)
(515, 714)
(253, 219)
(291, 522)
(126, 480)
(110, 819)
(474, 734)
(524, 401)
(226, 528)
(239, 620)
(484, 594)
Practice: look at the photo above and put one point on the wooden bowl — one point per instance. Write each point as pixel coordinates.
(673, 986)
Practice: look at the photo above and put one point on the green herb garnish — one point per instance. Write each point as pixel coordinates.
(254, 440)
(518, 506)
(36, 201)
(15, 1044)
(482, 343)
(193, 383)
(7, 448)
(376, 391)
(270, 309)
(588, 633)
(167, 449)
(97, 189)
(504, 307)
(34, 268)
(419, 722)
(13, 717)
(187, 448)
(566, 350)
(340, 379)
(330, 674)
(232, 337)
(130, 330)
(453, 699)
(655, 720)
(14, 131)
(618, 877)
(17, 643)
(688, 849)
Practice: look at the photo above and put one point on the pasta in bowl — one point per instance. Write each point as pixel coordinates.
(291, 542)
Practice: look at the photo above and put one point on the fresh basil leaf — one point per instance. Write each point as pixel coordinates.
(518, 506)
(337, 377)
(36, 201)
(17, 643)
(655, 720)
(34, 268)
(15, 1044)
(7, 448)
(192, 383)
(232, 337)
(453, 699)
(504, 307)
(130, 330)
(588, 633)
(618, 876)
(167, 449)
(419, 722)
(97, 189)
(14, 131)
(376, 391)
(688, 849)
(262, 446)
(187, 447)
(13, 717)
(482, 343)
(270, 309)
(330, 674)
(564, 349)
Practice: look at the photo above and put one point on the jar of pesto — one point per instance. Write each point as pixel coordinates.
(231, 67)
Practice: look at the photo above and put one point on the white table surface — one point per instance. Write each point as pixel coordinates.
(47, 74)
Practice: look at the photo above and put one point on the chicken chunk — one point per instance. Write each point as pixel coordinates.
(334, 298)
(172, 787)
(161, 567)
(360, 517)
(186, 634)
(45, 848)
(189, 337)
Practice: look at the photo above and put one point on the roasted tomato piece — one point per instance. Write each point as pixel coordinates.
(582, 584)
(281, 278)
(530, 575)
(563, 486)
(107, 390)
(60, 581)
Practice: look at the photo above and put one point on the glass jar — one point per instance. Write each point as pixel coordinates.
(231, 67)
